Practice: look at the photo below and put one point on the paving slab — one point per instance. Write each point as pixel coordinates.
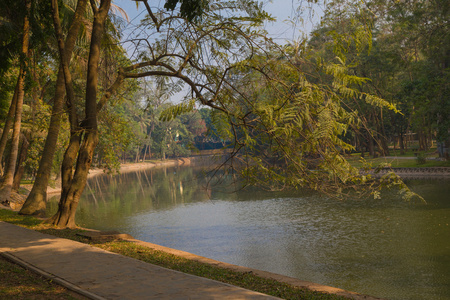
(108, 275)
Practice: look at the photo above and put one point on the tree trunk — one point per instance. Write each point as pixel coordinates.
(421, 140)
(35, 203)
(5, 190)
(73, 186)
(72, 189)
(384, 145)
(402, 142)
(371, 146)
(36, 200)
(8, 123)
(383, 138)
(145, 152)
(8, 178)
(20, 169)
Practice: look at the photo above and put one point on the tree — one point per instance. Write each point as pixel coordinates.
(8, 178)
(35, 203)
(398, 66)
(286, 130)
(84, 135)
(81, 147)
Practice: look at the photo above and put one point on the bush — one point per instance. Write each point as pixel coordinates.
(421, 158)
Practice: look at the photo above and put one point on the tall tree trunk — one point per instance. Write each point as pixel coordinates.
(360, 144)
(20, 169)
(5, 190)
(145, 153)
(383, 138)
(384, 145)
(371, 146)
(8, 177)
(36, 200)
(401, 142)
(8, 122)
(421, 140)
(72, 189)
(35, 203)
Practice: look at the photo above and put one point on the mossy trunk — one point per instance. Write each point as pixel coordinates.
(73, 186)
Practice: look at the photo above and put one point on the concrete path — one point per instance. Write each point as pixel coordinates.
(100, 274)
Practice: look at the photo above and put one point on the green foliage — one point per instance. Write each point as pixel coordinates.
(171, 138)
(288, 118)
(119, 133)
(405, 60)
(190, 9)
(421, 158)
(7, 82)
(36, 123)
(176, 110)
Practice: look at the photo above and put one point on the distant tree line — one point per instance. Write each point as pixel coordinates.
(406, 63)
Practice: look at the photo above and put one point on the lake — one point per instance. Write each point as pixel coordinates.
(386, 248)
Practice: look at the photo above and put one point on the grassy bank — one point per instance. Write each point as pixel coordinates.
(245, 280)
(408, 160)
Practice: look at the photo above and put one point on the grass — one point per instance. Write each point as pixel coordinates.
(16, 219)
(246, 280)
(398, 163)
(409, 159)
(412, 152)
(19, 283)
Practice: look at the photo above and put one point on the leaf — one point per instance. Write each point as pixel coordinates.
(173, 111)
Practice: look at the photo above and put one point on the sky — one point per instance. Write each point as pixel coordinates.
(286, 28)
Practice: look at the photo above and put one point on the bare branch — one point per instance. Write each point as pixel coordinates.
(149, 10)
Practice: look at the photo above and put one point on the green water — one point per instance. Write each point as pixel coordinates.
(386, 248)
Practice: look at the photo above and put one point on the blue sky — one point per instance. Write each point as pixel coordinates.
(286, 27)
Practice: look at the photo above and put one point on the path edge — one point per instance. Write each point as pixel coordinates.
(312, 286)
(74, 288)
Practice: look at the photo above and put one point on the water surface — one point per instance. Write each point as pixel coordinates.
(386, 248)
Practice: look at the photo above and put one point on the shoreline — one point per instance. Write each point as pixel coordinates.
(124, 168)
(408, 173)
(16, 200)
(97, 235)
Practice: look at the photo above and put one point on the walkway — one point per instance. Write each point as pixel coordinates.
(100, 274)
